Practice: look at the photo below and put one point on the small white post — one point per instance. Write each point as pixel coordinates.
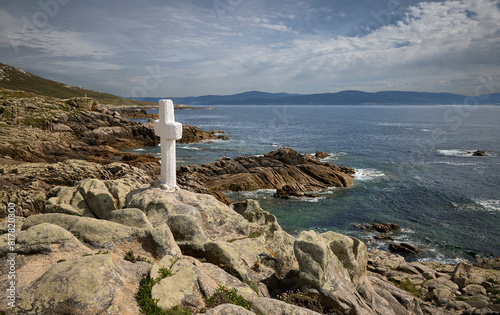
(168, 130)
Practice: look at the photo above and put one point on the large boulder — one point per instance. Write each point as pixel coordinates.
(130, 217)
(36, 239)
(91, 197)
(189, 282)
(106, 234)
(96, 284)
(333, 268)
(215, 218)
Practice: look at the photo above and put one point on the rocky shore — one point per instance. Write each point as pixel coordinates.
(65, 141)
(127, 247)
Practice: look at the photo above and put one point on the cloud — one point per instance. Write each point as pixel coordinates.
(435, 40)
(303, 47)
(60, 43)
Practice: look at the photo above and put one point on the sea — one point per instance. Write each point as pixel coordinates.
(414, 167)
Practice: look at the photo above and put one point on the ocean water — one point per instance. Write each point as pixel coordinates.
(413, 168)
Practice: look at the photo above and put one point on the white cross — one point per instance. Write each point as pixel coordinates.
(168, 130)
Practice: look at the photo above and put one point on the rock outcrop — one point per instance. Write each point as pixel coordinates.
(271, 171)
(105, 246)
(27, 185)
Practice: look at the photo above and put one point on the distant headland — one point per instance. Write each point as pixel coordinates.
(339, 98)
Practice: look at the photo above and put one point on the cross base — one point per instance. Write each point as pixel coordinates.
(161, 184)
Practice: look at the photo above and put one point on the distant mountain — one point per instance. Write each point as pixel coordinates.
(12, 78)
(221, 99)
(340, 98)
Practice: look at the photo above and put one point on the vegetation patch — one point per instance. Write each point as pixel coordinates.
(408, 286)
(224, 295)
(147, 304)
(304, 300)
(255, 234)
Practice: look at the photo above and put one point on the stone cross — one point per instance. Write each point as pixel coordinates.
(168, 130)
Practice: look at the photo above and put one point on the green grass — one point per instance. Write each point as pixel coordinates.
(224, 295)
(408, 286)
(254, 234)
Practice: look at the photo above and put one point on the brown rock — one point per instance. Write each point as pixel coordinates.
(479, 153)
(383, 237)
(192, 134)
(286, 192)
(386, 227)
(272, 171)
(461, 274)
(493, 263)
(379, 227)
(321, 155)
(403, 248)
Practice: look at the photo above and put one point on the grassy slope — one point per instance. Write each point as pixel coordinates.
(15, 79)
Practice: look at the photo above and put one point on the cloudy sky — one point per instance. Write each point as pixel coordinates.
(167, 48)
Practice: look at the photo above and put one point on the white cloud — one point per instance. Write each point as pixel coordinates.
(58, 43)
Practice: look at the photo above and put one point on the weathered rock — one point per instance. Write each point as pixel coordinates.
(192, 134)
(321, 155)
(108, 234)
(403, 248)
(333, 267)
(188, 234)
(229, 309)
(190, 282)
(43, 177)
(379, 227)
(61, 128)
(442, 294)
(381, 262)
(212, 277)
(83, 102)
(269, 306)
(86, 285)
(130, 217)
(493, 263)
(386, 227)
(223, 254)
(215, 218)
(271, 171)
(438, 282)
(91, 197)
(287, 192)
(37, 239)
(98, 198)
(181, 288)
(479, 153)
(461, 274)
(474, 289)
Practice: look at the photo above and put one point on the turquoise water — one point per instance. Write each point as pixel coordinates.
(412, 163)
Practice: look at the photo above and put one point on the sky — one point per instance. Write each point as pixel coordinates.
(168, 48)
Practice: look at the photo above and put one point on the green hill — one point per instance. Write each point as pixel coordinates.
(12, 78)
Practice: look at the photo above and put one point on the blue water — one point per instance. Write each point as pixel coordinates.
(412, 163)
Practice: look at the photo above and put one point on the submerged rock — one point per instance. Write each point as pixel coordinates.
(479, 153)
